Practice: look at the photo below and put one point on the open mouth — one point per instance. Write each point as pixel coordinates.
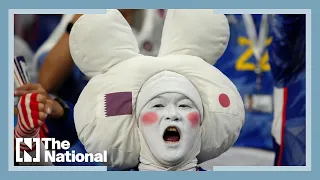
(171, 135)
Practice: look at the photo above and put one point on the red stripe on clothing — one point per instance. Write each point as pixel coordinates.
(24, 110)
(284, 109)
(34, 105)
(17, 134)
(21, 126)
(25, 132)
(43, 131)
(35, 116)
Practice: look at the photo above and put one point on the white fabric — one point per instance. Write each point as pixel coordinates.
(118, 135)
(166, 82)
(104, 47)
(278, 94)
(145, 165)
(150, 31)
(92, 53)
(189, 32)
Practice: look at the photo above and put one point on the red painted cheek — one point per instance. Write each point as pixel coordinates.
(194, 118)
(149, 118)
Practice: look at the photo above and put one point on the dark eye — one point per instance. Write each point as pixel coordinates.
(158, 105)
(184, 106)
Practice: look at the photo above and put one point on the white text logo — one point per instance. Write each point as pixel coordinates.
(51, 150)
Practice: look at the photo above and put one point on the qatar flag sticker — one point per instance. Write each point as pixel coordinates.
(118, 103)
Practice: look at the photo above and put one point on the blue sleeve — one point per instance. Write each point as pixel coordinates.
(288, 68)
(63, 128)
(287, 51)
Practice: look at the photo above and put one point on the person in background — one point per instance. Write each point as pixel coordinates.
(59, 76)
(57, 72)
(21, 48)
(248, 68)
(288, 67)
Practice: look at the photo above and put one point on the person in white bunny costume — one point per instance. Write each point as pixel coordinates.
(166, 113)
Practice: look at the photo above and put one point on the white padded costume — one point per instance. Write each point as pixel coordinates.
(105, 49)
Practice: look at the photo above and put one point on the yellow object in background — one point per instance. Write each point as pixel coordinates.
(15, 111)
(242, 63)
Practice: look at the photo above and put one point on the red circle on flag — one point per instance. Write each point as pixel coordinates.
(224, 100)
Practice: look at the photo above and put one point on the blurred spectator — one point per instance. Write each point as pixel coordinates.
(21, 48)
(245, 62)
(22, 24)
(58, 75)
(288, 65)
(35, 29)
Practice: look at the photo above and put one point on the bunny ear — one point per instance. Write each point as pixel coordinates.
(99, 41)
(194, 32)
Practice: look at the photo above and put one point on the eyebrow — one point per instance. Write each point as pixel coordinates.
(160, 97)
(183, 97)
(156, 98)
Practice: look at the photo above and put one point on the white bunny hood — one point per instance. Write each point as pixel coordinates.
(105, 49)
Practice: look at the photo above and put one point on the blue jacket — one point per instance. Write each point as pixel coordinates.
(288, 65)
(238, 63)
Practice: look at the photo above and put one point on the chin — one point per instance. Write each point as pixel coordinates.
(173, 156)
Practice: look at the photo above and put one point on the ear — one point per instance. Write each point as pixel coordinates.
(195, 32)
(99, 41)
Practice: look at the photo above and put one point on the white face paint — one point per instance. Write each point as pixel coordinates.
(170, 123)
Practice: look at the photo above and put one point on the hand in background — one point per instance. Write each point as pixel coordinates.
(47, 105)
